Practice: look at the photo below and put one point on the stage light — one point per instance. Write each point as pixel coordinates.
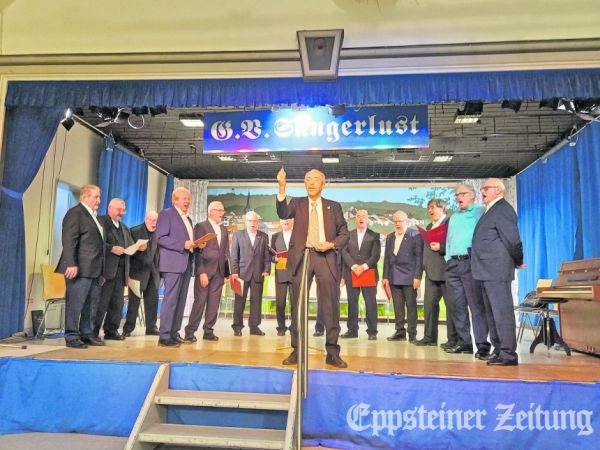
(227, 158)
(156, 110)
(140, 110)
(443, 158)
(566, 105)
(78, 111)
(122, 117)
(320, 53)
(330, 159)
(192, 120)
(68, 121)
(336, 110)
(470, 114)
(551, 103)
(515, 105)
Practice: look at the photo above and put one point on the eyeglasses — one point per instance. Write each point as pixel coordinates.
(460, 194)
(487, 188)
(399, 221)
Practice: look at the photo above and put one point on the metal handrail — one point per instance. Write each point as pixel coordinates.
(302, 350)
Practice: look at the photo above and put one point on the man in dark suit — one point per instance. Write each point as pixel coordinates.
(250, 262)
(144, 268)
(319, 225)
(116, 271)
(175, 238)
(463, 292)
(361, 253)
(81, 262)
(497, 251)
(280, 242)
(435, 280)
(402, 272)
(212, 271)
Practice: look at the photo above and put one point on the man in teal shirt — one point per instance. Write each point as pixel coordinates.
(463, 292)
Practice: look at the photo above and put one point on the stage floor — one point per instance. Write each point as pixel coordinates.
(380, 356)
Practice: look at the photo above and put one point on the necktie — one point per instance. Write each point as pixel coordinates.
(313, 226)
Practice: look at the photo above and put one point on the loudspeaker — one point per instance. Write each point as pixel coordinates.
(320, 53)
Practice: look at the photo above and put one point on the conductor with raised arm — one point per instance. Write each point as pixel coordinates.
(319, 225)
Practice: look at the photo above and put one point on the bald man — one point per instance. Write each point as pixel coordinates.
(320, 227)
(116, 271)
(144, 268)
(402, 272)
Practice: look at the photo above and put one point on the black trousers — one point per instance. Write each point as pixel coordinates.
(499, 308)
(150, 295)
(281, 294)
(81, 304)
(405, 309)
(369, 296)
(465, 295)
(328, 301)
(206, 302)
(110, 308)
(434, 291)
(255, 288)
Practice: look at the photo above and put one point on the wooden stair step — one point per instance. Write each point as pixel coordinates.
(219, 437)
(216, 399)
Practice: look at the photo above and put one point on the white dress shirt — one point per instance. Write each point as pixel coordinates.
(287, 235)
(217, 230)
(252, 237)
(319, 215)
(188, 225)
(437, 223)
(398, 242)
(492, 203)
(94, 216)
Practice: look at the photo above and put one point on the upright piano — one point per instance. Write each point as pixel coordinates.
(578, 284)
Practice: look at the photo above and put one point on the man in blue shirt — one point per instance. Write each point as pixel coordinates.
(463, 291)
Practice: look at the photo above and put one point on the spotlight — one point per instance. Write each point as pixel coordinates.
(330, 159)
(470, 114)
(566, 105)
(122, 117)
(68, 121)
(515, 105)
(228, 158)
(192, 120)
(78, 111)
(551, 103)
(443, 158)
(108, 113)
(156, 110)
(140, 110)
(336, 110)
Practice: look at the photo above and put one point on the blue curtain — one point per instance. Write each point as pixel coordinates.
(169, 191)
(558, 216)
(122, 175)
(28, 134)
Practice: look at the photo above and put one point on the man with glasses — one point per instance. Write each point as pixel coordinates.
(463, 292)
(497, 251)
(402, 272)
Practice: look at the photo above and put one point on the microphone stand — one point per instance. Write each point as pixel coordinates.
(302, 368)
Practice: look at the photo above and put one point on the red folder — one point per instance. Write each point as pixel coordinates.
(237, 285)
(388, 292)
(365, 279)
(438, 234)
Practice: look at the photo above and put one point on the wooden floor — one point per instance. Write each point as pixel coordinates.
(379, 356)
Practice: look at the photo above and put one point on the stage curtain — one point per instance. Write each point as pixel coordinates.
(28, 134)
(400, 89)
(169, 191)
(125, 176)
(588, 159)
(549, 218)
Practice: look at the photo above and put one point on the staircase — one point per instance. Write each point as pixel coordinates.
(151, 430)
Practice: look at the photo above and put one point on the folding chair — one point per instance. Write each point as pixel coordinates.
(54, 291)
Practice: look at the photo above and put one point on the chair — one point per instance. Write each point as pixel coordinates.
(54, 290)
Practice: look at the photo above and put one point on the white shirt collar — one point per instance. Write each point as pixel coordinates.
(437, 223)
(116, 224)
(214, 224)
(90, 210)
(181, 213)
(492, 203)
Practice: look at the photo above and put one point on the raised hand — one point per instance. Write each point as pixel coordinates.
(281, 180)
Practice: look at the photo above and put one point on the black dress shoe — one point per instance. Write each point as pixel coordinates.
(502, 362)
(485, 356)
(448, 344)
(281, 333)
(237, 332)
(397, 337)
(168, 343)
(425, 343)
(257, 332)
(210, 337)
(93, 340)
(127, 334)
(190, 339)
(412, 339)
(460, 349)
(318, 333)
(349, 335)
(372, 337)
(335, 361)
(291, 360)
(76, 343)
(153, 332)
(115, 336)
(178, 339)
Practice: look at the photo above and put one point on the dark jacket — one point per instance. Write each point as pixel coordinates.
(114, 238)
(143, 264)
(248, 261)
(403, 268)
(278, 245)
(369, 253)
(213, 258)
(433, 262)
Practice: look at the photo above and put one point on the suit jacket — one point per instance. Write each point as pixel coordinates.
(434, 263)
(336, 230)
(369, 253)
(83, 245)
(111, 261)
(403, 268)
(171, 235)
(214, 258)
(278, 244)
(143, 264)
(497, 247)
(249, 261)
